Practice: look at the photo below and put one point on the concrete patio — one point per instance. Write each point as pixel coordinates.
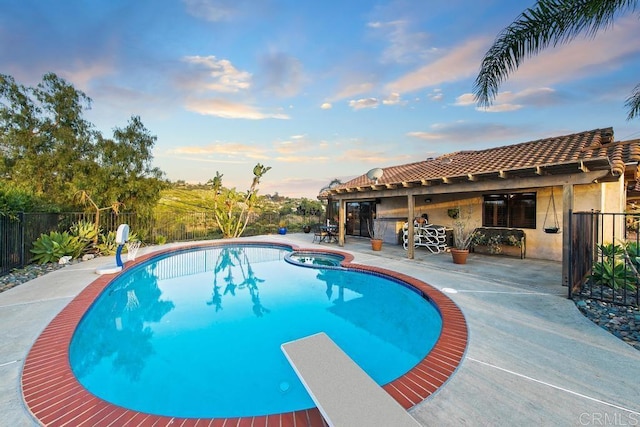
(532, 358)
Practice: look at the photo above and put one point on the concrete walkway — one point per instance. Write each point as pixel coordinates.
(532, 358)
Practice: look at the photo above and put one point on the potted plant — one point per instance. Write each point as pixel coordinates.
(498, 241)
(282, 227)
(464, 234)
(376, 233)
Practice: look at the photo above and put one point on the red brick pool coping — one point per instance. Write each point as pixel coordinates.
(55, 398)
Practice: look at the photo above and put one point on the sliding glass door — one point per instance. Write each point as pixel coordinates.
(359, 216)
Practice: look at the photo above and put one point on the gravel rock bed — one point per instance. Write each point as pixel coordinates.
(621, 321)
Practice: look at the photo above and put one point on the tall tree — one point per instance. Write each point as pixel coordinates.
(548, 23)
(125, 171)
(49, 148)
(45, 139)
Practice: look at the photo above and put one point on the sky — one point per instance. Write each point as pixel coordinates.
(317, 90)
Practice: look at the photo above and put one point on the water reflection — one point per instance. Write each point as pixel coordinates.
(116, 327)
(236, 261)
(332, 277)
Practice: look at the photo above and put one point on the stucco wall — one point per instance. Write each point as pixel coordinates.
(604, 197)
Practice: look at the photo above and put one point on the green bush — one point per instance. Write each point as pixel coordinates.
(613, 271)
(107, 244)
(86, 233)
(55, 245)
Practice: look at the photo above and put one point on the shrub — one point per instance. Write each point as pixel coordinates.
(613, 270)
(86, 233)
(107, 243)
(55, 245)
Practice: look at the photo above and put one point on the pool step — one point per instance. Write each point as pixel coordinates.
(342, 391)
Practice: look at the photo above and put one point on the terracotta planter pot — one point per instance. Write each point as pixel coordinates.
(459, 255)
(376, 244)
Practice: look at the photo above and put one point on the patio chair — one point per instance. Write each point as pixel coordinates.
(319, 235)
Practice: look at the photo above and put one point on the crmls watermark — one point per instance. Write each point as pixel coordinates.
(607, 419)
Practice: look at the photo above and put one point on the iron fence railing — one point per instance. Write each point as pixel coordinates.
(18, 232)
(605, 257)
(11, 248)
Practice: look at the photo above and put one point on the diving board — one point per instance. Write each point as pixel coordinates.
(342, 391)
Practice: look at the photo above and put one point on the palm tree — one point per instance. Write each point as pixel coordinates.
(547, 23)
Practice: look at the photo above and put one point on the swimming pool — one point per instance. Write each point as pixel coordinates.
(198, 333)
(54, 396)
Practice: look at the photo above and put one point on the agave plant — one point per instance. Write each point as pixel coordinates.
(84, 230)
(86, 233)
(107, 243)
(53, 246)
(613, 270)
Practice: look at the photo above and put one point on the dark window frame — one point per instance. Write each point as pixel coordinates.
(510, 210)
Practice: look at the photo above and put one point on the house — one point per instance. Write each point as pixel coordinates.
(524, 186)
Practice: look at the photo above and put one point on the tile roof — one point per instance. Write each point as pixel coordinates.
(589, 150)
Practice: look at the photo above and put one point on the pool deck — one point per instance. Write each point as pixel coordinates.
(532, 358)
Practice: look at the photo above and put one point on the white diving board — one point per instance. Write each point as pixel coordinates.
(345, 395)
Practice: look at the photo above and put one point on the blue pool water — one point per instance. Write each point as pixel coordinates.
(317, 259)
(197, 333)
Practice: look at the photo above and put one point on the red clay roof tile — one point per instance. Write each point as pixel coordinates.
(593, 148)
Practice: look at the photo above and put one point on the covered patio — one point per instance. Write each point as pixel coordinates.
(531, 186)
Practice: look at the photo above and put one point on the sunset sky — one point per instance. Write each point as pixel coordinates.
(316, 90)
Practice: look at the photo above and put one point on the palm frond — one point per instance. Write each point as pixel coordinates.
(547, 23)
(633, 103)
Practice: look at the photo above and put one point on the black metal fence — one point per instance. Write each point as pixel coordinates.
(18, 233)
(605, 257)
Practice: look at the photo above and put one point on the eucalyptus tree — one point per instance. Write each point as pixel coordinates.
(44, 138)
(548, 23)
(48, 147)
(125, 171)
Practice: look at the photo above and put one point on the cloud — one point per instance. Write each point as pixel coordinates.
(229, 110)
(404, 46)
(217, 75)
(436, 95)
(211, 10)
(465, 133)
(371, 156)
(458, 64)
(582, 57)
(359, 104)
(465, 99)
(281, 74)
(512, 101)
(393, 99)
(291, 149)
(230, 152)
(352, 90)
(326, 106)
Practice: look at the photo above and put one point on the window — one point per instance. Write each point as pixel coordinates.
(517, 210)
